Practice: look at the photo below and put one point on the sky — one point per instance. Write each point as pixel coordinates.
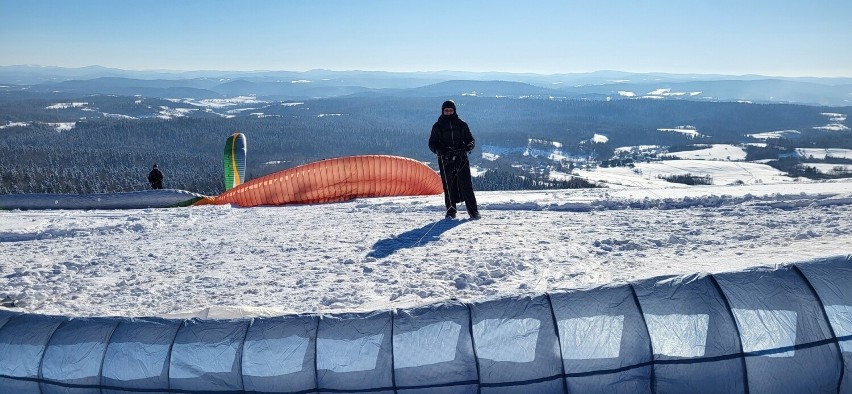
(766, 37)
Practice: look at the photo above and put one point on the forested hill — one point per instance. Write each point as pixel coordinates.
(98, 143)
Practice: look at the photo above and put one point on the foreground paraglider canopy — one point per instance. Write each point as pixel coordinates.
(785, 329)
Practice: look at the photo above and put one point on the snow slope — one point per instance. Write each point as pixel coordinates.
(650, 174)
(714, 152)
(369, 254)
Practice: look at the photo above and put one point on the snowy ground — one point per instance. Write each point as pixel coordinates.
(649, 174)
(368, 254)
(714, 152)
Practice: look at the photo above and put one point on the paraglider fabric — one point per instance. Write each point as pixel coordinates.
(234, 160)
(784, 329)
(335, 180)
(160, 198)
(331, 180)
(325, 181)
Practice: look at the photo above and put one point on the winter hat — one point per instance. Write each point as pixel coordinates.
(448, 104)
(155, 166)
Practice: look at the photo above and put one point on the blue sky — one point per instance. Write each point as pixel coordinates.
(768, 37)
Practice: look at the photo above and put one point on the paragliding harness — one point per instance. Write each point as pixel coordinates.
(457, 158)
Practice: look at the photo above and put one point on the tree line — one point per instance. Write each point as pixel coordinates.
(113, 154)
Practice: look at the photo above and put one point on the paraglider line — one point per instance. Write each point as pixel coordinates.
(455, 175)
(237, 179)
(417, 243)
(446, 182)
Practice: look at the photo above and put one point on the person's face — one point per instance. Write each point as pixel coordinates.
(449, 111)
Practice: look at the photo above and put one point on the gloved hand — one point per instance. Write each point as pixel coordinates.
(470, 145)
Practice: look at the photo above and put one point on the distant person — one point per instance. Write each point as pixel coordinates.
(451, 140)
(156, 178)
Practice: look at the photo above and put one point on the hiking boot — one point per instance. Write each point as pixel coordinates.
(474, 216)
(451, 213)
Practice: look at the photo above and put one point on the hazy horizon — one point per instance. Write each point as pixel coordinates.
(178, 71)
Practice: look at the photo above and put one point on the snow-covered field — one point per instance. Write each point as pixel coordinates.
(828, 168)
(823, 153)
(714, 152)
(720, 172)
(368, 254)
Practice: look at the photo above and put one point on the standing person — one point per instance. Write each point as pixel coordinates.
(451, 141)
(156, 178)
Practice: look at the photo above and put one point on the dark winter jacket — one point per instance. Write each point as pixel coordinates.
(451, 140)
(450, 133)
(155, 177)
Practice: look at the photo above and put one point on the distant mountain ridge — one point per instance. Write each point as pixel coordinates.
(293, 85)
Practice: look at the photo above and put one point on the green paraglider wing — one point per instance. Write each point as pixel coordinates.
(234, 161)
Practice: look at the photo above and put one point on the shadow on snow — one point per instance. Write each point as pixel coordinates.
(412, 238)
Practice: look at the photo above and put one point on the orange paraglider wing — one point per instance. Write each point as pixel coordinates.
(335, 180)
